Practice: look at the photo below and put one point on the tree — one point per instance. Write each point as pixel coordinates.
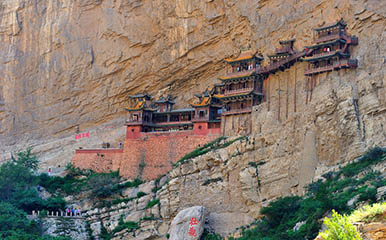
(26, 159)
(13, 222)
(339, 228)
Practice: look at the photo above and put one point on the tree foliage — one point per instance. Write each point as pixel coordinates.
(19, 196)
(339, 228)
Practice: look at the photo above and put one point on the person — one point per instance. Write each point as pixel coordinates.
(120, 145)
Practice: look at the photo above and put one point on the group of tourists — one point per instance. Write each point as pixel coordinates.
(73, 212)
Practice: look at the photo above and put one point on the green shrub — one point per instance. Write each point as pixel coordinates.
(132, 225)
(151, 203)
(339, 228)
(210, 236)
(368, 213)
(372, 156)
(129, 184)
(105, 235)
(370, 194)
(141, 194)
(19, 196)
(148, 218)
(213, 180)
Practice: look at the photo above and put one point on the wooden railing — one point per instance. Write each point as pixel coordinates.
(172, 122)
(240, 73)
(236, 91)
(201, 119)
(352, 63)
(319, 69)
(328, 38)
(285, 49)
(277, 65)
(71, 214)
(324, 54)
(238, 111)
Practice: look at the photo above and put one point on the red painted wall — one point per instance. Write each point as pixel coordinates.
(99, 160)
(145, 155)
(133, 132)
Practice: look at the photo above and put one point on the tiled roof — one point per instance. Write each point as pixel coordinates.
(138, 106)
(243, 56)
(237, 75)
(340, 22)
(204, 101)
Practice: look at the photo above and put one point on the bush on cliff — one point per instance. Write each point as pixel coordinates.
(281, 216)
(101, 185)
(339, 228)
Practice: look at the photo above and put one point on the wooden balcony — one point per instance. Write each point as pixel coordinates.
(343, 63)
(281, 50)
(237, 111)
(200, 119)
(328, 38)
(237, 91)
(319, 70)
(323, 54)
(241, 73)
(171, 123)
(134, 122)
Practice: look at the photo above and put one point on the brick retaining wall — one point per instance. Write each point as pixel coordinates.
(146, 156)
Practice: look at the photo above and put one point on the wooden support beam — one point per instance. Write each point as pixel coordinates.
(269, 93)
(295, 88)
(307, 88)
(278, 112)
(311, 87)
(286, 108)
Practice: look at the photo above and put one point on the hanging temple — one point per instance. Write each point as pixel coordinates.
(157, 133)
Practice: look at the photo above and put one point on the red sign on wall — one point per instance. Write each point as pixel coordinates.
(82, 135)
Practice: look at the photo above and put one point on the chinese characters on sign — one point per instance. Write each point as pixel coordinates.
(82, 135)
(192, 230)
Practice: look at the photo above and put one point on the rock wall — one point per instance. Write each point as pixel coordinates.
(72, 63)
(76, 228)
(232, 125)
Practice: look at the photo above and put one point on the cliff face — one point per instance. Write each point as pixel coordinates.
(72, 63)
